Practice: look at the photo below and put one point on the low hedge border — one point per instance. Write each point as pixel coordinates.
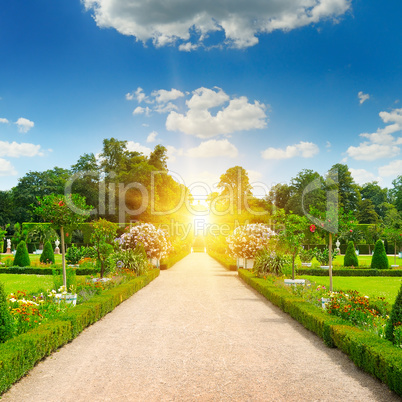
(372, 354)
(42, 271)
(351, 272)
(20, 354)
(223, 260)
(167, 263)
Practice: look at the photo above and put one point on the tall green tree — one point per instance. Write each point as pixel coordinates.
(396, 193)
(366, 212)
(377, 195)
(158, 158)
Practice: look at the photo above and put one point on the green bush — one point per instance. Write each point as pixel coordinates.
(21, 258)
(6, 321)
(395, 319)
(73, 255)
(47, 256)
(379, 259)
(269, 262)
(351, 259)
(223, 259)
(168, 262)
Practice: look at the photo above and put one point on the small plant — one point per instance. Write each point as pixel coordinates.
(379, 259)
(323, 255)
(351, 259)
(21, 258)
(306, 255)
(133, 260)
(6, 320)
(47, 256)
(269, 262)
(395, 319)
(73, 255)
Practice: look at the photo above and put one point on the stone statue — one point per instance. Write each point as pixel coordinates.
(8, 246)
(57, 243)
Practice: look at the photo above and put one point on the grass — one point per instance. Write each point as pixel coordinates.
(367, 286)
(364, 261)
(28, 283)
(33, 257)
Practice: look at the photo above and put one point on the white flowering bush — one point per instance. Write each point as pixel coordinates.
(247, 240)
(154, 241)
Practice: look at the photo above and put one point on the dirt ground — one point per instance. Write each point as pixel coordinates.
(197, 333)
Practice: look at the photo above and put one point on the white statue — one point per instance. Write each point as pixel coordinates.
(8, 243)
(57, 243)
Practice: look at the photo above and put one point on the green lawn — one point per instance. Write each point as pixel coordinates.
(29, 283)
(33, 257)
(364, 260)
(367, 286)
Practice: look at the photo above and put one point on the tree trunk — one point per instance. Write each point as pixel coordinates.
(293, 267)
(330, 261)
(63, 257)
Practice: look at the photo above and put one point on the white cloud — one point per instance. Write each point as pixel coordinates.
(362, 176)
(172, 152)
(394, 168)
(3, 120)
(235, 114)
(380, 144)
(152, 136)
(15, 150)
(167, 23)
(363, 97)
(188, 47)
(142, 110)
(253, 175)
(302, 149)
(24, 125)
(138, 94)
(213, 149)
(137, 147)
(165, 108)
(163, 96)
(371, 152)
(6, 169)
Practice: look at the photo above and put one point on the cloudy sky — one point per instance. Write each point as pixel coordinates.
(273, 86)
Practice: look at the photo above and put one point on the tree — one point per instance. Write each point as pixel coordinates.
(41, 234)
(47, 256)
(21, 258)
(349, 195)
(377, 195)
(235, 188)
(396, 192)
(6, 208)
(293, 233)
(307, 190)
(102, 238)
(158, 157)
(395, 317)
(366, 213)
(393, 229)
(351, 259)
(61, 212)
(6, 320)
(3, 232)
(379, 259)
(279, 195)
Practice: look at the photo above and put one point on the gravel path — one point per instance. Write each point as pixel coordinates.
(197, 333)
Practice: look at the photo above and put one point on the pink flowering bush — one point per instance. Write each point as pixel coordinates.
(154, 241)
(247, 240)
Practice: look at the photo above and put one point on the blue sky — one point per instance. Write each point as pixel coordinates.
(273, 88)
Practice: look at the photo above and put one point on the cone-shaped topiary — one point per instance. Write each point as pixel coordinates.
(380, 259)
(395, 318)
(6, 321)
(351, 259)
(47, 256)
(21, 258)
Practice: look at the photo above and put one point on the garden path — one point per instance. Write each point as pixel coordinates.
(197, 333)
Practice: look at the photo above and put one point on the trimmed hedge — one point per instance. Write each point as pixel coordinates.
(42, 271)
(224, 260)
(374, 355)
(351, 272)
(167, 263)
(20, 354)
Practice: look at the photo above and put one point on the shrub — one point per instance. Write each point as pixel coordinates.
(351, 259)
(21, 258)
(47, 256)
(395, 319)
(269, 262)
(6, 321)
(323, 255)
(73, 255)
(306, 255)
(379, 259)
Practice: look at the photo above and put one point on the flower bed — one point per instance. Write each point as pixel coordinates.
(20, 354)
(371, 353)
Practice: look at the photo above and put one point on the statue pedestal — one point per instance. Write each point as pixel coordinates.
(8, 250)
(57, 250)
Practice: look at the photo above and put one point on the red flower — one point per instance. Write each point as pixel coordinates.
(66, 234)
(350, 230)
(61, 203)
(312, 228)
